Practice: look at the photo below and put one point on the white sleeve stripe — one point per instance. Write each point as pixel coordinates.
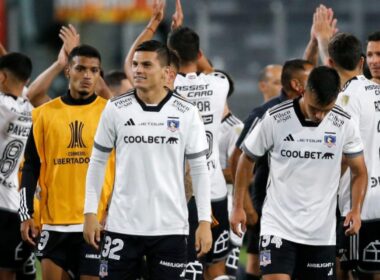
(196, 155)
(353, 155)
(23, 206)
(102, 148)
(248, 153)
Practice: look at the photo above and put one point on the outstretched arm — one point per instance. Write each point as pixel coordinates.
(145, 35)
(37, 92)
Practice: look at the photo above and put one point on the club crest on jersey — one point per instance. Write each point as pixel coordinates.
(173, 124)
(345, 100)
(330, 139)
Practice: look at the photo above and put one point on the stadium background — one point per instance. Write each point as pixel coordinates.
(238, 36)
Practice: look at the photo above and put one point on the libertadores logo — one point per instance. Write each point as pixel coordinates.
(76, 129)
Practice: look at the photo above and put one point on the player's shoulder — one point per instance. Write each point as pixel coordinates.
(232, 120)
(283, 106)
(182, 104)
(124, 100)
(339, 111)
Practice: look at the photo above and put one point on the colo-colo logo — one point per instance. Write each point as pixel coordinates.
(150, 139)
(306, 154)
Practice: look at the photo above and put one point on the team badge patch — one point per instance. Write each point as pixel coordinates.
(330, 139)
(103, 269)
(265, 258)
(345, 100)
(173, 124)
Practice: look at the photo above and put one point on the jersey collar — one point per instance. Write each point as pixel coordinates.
(69, 100)
(154, 108)
(300, 116)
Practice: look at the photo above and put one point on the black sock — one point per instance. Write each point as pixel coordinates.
(252, 277)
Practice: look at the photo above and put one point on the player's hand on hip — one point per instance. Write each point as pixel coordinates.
(92, 230)
(353, 222)
(238, 221)
(203, 238)
(28, 231)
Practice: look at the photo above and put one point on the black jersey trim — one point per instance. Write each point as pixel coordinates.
(353, 155)
(340, 111)
(157, 107)
(277, 110)
(231, 122)
(177, 95)
(249, 153)
(226, 117)
(69, 100)
(128, 93)
(10, 95)
(102, 148)
(345, 86)
(300, 116)
(279, 105)
(197, 155)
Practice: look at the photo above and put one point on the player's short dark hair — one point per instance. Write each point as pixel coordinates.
(114, 78)
(18, 64)
(230, 82)
(324, 82)
(185, 42)
(375, 36)
(290, 69)
(86, 51)
(345, 50)
(174, 60)
(155, 46)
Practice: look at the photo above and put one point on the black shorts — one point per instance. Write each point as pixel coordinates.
(253, 239)
(15, 255)
(232, 262)
(346, 247)
(69, 251)
(369, 247)
(220, 233)
(121, 256)
(297, 260)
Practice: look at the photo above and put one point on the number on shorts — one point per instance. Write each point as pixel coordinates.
(109, 252)
(43, 240)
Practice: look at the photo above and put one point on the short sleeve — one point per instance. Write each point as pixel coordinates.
(106, 133)
(260, 140)
(353, 144)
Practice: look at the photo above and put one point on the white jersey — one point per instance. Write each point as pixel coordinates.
(156, 140)
(360, 97)
(208, 93)
(305, 165)
(15, 124)
(229, 133)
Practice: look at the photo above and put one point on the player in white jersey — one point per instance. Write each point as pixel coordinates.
(208, 92)
(15, 124)
(361, 99)
(307, 139)
(153, 131)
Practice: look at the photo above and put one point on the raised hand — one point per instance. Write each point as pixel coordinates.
(70, 37)
(177, 18)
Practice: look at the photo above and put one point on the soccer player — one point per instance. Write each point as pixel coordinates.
(373, 56)
(307, 139)
(57, 155)
(360, 98)
(270, 81)
(117, 82)
(208, 92)
(293, 80)
(153, 131)
(15, 123)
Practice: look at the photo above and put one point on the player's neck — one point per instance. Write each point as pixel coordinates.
(154, 96)
(376, 80)
(76, 95)
(347, 75)
(190, 67)
(14, 91)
